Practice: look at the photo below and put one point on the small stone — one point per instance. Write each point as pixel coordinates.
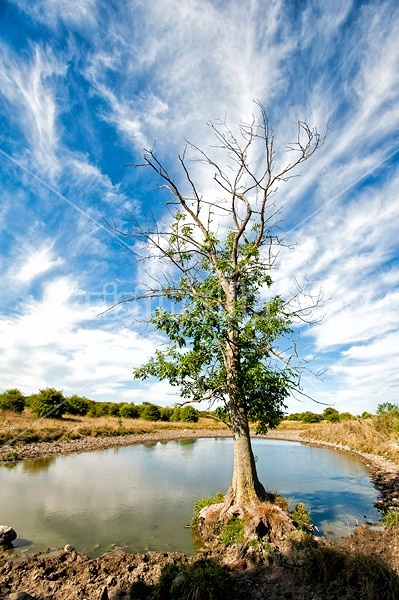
(7, 535)
(68, 548)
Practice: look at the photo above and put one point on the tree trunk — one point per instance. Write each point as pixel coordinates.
(245, 488)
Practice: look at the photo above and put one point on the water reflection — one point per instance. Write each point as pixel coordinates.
(140, 497)
(40, 464)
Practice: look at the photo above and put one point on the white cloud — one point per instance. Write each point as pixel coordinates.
(28, 84)
(79, 14)
(36, 263)
(60, 341)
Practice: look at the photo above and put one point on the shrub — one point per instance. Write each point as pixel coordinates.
(189, 414)
(151, 413)
(167, 413)
(77, 405)
(331, 414)
(13, 400)
(391, 519)
(293, 417)
(129, 411)
(346, 416)
(176, 414)
(49, 403)
(385, 407)
(310, 417)
(367, 415)
(301, 518)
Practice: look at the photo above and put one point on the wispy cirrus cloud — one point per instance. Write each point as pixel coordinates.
(28, 86)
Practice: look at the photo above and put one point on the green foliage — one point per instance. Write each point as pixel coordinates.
(189, 414)
(176, 416)
(49, 403)
(77, 405)
(232, 532)
(385, 407)
(367, 415)
(202, 580)
(151, 413)
(311, 417)
(387, 422)
(301, 518)
(346, 416)
(128, 411)
(331, 414)
(293, 417)
(167, 414)
(12, 456)
(391, 519)
(202, 502)
(12, 400)
(203, 325)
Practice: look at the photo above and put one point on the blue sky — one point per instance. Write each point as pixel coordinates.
(86, 84)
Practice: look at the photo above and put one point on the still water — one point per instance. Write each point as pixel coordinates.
(140, 497)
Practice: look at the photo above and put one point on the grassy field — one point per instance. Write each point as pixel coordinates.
(378, 435)
(27, 428)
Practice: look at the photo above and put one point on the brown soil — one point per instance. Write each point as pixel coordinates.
(69, 575)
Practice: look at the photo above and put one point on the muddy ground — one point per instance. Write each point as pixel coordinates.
(69, 575)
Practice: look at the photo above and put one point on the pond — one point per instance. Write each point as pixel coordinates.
(141, 497)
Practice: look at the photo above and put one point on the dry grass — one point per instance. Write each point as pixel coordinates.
(369, 435)
(27, 428)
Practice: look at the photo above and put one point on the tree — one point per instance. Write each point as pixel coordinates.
(224, 327)
(385, 407)
(77, 405)
(331, 414)
(49, 403)
(189, 414)
(128, 411)
(12, 400)
(151, 413)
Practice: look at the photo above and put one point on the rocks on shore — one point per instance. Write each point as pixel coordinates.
(7, 536)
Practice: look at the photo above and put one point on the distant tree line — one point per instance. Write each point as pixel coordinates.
(333, 415)
(52, 403)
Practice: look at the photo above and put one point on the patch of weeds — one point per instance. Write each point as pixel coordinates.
(202, 502)
(260, 545)
(301, 518)
(350, 577)
(232, 532)
(391, 519)
(281, 502)
(11, 457)
(203, 580)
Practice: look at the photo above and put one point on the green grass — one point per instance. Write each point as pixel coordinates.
(391, 519)
(232, 532)
(202, 502)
